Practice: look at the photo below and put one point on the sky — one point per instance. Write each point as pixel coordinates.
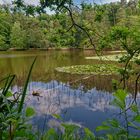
(77, 2)
(35, 2)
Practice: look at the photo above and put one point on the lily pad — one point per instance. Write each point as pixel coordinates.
(102, 69)
(114, 57)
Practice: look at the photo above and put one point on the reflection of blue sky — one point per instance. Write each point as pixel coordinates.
(88, 108)
(57, 97)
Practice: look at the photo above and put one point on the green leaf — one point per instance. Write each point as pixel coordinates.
(102, 127)
(30, 112)
(119, 101)
(110, 137)
(25, 87)
(134, 108)
(137, 61)
(137, 118)
(70, 127)
(50, 135)
(8, 83)
(57, 116)
(9, 94)
(89, 134)
(114, 123)
(133, 125)
(120, 94)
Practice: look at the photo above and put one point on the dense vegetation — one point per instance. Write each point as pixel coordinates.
(114, 25)
(27, 26)
(102, 69)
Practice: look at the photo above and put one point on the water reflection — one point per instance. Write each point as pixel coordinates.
(55, 97)
(79, 98)
(77, 105)
(88, 108)
(44, 69)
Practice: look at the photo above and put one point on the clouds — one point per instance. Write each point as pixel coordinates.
(36, 2)
(95, 1)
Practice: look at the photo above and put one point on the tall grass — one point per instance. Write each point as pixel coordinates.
(11, 119)
(25, 87)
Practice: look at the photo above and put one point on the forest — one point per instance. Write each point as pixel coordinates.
(31, 26)
(70, 71)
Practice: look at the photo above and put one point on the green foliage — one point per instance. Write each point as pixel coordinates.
(3, 44)
(88, 135)
(71, 132)
(12, 121)
(119, 101)
(25, 88)
(28, 26)
(5, 29)
(112, 11)
(30, 112)
(119, 32)
(57, 116)
(50, 135)
(24, 26)
(18, 36)
(114, 129)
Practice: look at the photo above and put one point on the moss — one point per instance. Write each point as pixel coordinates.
(101, 69)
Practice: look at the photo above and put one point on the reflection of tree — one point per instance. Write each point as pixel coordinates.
(57, 97)
(101, 82)
(44, 70)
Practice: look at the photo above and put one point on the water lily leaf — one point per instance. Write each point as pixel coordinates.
(95, 69)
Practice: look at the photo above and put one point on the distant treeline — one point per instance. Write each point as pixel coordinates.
(28, 26)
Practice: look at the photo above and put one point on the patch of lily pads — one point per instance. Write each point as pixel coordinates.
(101, 69)
(114, 57)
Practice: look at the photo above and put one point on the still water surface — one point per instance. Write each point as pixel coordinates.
(81, 99)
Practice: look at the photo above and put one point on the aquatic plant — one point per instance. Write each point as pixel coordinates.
(115, 57)
(102, 69)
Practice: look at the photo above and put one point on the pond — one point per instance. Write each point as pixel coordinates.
(81, 99)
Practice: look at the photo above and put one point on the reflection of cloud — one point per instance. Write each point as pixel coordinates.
(74, 104)
(57, 97)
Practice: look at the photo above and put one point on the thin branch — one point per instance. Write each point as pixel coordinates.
(136, 86)
(80, 27)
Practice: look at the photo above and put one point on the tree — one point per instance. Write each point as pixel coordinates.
(112, 10)
(18, 5)
(5, 27)
(3, 44)
(30, 10)
(18, 36)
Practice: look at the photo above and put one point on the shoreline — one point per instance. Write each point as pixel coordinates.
(59, 49)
